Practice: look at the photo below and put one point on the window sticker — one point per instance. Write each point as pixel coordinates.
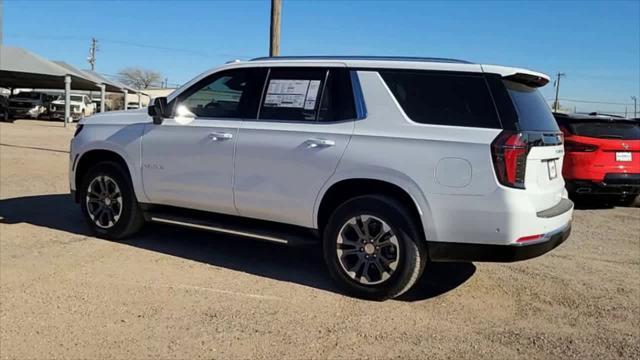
(292, 93)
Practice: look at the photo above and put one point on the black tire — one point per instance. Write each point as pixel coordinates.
(412, 250)
(630, 200)
(131, 218)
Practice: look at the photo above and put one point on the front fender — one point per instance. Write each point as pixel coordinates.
(125, 141)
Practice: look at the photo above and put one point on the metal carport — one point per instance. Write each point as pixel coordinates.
(22, 69)
(114, 84)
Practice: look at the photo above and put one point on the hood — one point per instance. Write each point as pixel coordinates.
(119, 117)
(61, 102)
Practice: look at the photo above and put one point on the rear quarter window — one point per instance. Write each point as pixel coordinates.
(443, 99)
(533, 111)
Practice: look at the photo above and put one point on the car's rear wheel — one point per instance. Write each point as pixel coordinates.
(630, 200)
(373, 249)
(108, 202)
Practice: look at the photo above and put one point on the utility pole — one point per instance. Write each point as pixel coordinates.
(635, 103)
(92, 53)
(1, 23)
(274, 43)
(556, 104)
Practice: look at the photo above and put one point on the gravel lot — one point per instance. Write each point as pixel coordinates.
(174, 293)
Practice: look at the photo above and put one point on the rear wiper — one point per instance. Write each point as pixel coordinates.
(610, 136)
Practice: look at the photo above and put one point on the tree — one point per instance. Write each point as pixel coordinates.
(139, 78)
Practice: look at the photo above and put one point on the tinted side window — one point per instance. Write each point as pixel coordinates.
(293, 94)
(337, 99)
(443, 99)
(229, 94)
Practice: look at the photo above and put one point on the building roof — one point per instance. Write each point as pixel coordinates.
(21, 68)
(115, 85)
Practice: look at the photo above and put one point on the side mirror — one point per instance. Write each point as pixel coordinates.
(158, 110)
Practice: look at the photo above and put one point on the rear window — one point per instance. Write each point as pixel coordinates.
(623, 130)
(533, 111)
(443, 99)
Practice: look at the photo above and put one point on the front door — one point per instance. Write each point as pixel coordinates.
(187, 161)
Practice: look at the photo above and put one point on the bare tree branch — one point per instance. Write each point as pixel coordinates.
(139, 78)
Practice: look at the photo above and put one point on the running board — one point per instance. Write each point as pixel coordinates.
(257, 229)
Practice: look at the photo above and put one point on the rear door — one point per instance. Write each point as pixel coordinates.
(543, 180)
(285, 156)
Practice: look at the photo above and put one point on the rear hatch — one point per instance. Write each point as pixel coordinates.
(528, 155)
(611, 144)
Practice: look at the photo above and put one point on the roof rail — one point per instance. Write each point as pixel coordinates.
(377, 58)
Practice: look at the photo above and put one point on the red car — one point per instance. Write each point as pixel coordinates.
(602, 156)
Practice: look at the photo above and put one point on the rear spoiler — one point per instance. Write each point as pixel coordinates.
(522, 76)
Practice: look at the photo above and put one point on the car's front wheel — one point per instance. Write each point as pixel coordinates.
(109, 203)
(373, 249)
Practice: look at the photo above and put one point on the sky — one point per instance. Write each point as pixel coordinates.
(595, 43)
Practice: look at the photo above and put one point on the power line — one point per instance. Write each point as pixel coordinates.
(138, 45)
(591, 101)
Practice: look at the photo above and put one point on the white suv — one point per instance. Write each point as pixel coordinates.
(389, 162)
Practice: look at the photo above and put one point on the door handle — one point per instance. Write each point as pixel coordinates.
(314, 143)
(220, 136)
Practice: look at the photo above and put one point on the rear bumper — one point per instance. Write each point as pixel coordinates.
(444, 251)
(613, 184)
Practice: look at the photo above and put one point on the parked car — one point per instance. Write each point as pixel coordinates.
(81, 106)
(4, 108)
(29, 104)
(602, 156)
(390, 162)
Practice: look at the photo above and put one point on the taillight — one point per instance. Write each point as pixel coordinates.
(509, 151)
(572, 146)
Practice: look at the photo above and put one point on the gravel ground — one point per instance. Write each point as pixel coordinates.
(173, 293)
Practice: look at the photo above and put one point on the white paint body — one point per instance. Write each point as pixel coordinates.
(265, 170)
(83, 107)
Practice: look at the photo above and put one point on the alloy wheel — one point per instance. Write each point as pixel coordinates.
(104, 201)
(368, 249)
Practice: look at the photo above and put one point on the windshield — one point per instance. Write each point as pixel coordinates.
(533, 112)
(77, 98)
(28, 95)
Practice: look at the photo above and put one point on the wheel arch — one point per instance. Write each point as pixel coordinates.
(94, 156)
(340, 190)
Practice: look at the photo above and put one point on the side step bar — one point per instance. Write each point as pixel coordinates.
(232, 225)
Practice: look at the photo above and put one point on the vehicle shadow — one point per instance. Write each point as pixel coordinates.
(593, 202)
(300, 265)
